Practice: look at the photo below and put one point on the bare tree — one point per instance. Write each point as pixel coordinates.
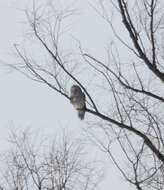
(36, 163)
(131, 111)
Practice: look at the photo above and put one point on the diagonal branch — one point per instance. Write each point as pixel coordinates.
(147, 141)
(57, 60)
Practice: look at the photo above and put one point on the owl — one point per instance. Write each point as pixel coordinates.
(77, 99)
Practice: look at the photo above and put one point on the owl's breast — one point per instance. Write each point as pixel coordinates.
(79, 103)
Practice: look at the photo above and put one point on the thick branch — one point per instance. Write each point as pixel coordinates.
(133, 130)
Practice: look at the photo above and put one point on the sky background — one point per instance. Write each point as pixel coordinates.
(25, 103)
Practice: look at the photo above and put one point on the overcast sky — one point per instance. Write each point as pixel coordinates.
(24, 103)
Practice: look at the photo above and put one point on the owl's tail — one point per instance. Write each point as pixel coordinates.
(81, 114)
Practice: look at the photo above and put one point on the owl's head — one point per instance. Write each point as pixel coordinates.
(75, 89)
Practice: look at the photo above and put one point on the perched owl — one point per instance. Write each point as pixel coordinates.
(77, 98)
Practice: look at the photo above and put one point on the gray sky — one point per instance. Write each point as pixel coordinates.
(24, 103)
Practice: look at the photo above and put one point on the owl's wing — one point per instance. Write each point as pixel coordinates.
(71, 99)
(84, 99)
